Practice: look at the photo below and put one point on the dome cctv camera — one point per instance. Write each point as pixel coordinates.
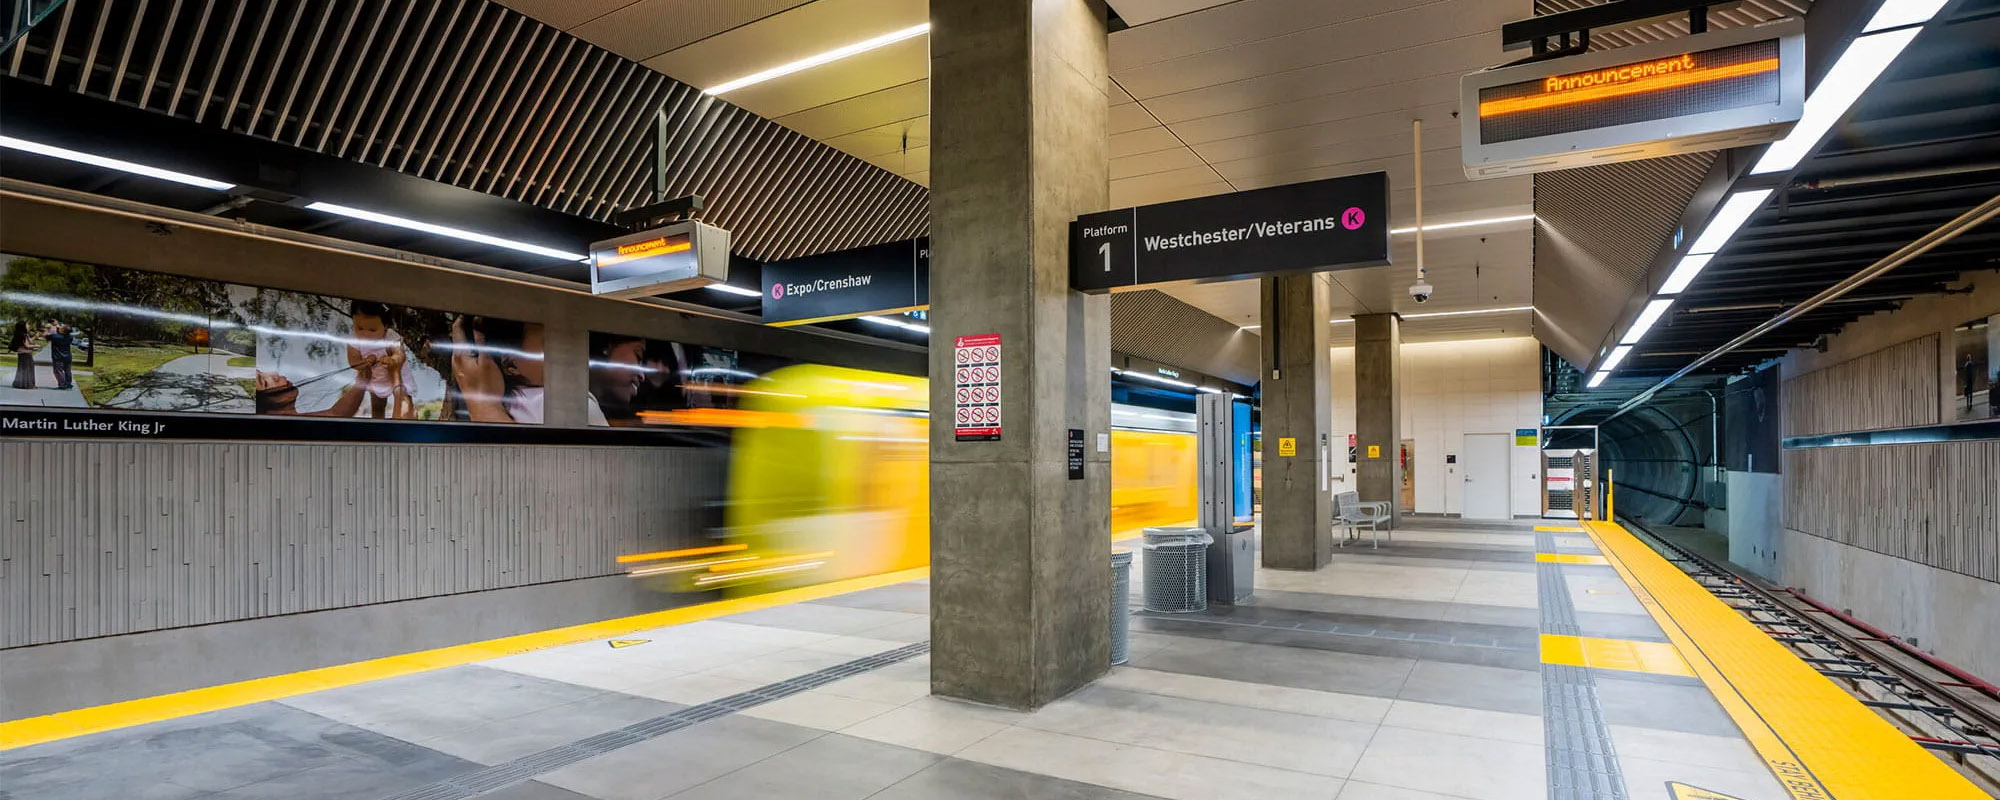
(1420, 291)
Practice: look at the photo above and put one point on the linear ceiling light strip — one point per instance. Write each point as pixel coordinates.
(1944, 233)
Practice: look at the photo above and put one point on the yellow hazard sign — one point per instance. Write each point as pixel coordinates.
(1682, 791)
(617, 643)
(1288, 446)
(1374, 451)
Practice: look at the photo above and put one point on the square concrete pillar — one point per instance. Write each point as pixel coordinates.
(1297, 413)
(1378, 422)
(1020, 552)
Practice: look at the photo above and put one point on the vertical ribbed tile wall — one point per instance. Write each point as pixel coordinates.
(98, 539)
(1937, 504)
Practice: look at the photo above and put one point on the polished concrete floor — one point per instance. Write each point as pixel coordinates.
(1411, 672)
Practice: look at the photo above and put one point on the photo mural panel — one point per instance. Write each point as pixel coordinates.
(639, 381)
(90, 336)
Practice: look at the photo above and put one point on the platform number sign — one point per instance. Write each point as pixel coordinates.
(976, 388)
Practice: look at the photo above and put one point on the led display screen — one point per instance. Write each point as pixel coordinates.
(1663, 88)
(98, 337)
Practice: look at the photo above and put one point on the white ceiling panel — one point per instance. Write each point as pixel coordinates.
(1140, 12)
(1449, 57)
(914, 160)
(906, 103)
(1401, 98)
(567, 14)
(885, 139)
(780, 39)
(1144, 140)
(643, 29)
(1244, 22)
(1366, 38)
(895, 65)
(1157, 161)
(1128, 116)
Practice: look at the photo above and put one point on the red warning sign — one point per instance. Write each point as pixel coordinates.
(976, 381)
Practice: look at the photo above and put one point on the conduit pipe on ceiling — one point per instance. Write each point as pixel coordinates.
(1944, 233)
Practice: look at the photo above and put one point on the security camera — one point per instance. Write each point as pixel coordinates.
(1420, 291)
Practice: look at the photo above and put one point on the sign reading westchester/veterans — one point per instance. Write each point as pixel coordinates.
(878, 279)
(975, 386)
(1337, 223)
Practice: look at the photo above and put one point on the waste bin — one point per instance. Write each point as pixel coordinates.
(1176, 569)
(1121, 604)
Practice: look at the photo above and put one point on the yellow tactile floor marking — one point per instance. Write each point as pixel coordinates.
(1821, 743)
(67, 724)
(1658, 658)
(1570, 558)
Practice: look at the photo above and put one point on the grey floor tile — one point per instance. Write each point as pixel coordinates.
(508, 739)
(533, 790)
(1351, 604)
(680, 760)
(1473, 686)
(200, 754)
(1653, 704)
(833, 767)
(967, 780)
(1513, 616)
(1637, 627)
(909, 598)
(1281, 666)
(1362, 641)
(819, 618)
(432, 704)
(355, 778)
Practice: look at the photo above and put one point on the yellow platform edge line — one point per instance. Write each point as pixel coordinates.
(111, 716)
(1819, 742)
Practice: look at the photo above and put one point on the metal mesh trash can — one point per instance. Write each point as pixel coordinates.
(1121, 604)
(1176, 569)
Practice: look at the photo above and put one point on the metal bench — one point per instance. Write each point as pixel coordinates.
(1350, 513)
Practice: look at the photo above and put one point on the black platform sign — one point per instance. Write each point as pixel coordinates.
(1075, 454)
(1337, 223)
(878, 279)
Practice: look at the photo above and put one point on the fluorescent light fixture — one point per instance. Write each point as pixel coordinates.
(1856, 70)
(827, 57)
(1898, 13)
(441, 230)
(1684, 273)
(1654, 310)
(1598, 378)
(1473, 311)
(1466, 224)
(1618, 355)
(1342, 321)
(728, 289)
(66, 154)
(1249, 327)
(894, 323)
(1735, 211)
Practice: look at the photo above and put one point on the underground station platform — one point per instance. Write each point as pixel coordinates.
(1455, 660)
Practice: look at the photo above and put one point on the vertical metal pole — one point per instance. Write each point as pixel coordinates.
(660, 155)
(1417, 144)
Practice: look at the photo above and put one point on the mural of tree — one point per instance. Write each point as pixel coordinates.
(23, 277)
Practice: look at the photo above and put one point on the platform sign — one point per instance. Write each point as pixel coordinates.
(1337, 223)
(888, 278)
(975, 385)
(1710, 91)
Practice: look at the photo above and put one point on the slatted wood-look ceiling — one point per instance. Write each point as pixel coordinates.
(471, 93)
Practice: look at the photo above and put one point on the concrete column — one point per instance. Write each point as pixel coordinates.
(1378, 397)
(1297, 406)
(1020, 554)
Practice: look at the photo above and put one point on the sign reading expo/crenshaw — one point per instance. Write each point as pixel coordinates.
(1337, 223)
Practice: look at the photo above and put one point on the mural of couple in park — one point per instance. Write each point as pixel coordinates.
(146, 341)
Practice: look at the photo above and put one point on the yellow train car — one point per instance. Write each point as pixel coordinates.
(829, 478)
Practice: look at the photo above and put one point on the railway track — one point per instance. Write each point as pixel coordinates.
(1952, 713)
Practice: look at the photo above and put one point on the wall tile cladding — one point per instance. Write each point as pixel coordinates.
(98, 539)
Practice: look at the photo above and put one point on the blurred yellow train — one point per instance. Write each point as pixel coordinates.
(829, 478)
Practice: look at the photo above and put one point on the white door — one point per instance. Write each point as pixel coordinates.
(1484, 465)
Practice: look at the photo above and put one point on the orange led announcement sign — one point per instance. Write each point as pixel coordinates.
(1629, 79)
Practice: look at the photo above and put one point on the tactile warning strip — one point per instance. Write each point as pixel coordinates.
(529, 766)
(1582, 765)
(1819, 741)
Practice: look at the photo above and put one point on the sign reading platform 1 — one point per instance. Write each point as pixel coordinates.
(1337, 223)
(878, 279)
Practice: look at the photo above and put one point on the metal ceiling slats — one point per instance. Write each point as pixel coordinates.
(470, 93)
